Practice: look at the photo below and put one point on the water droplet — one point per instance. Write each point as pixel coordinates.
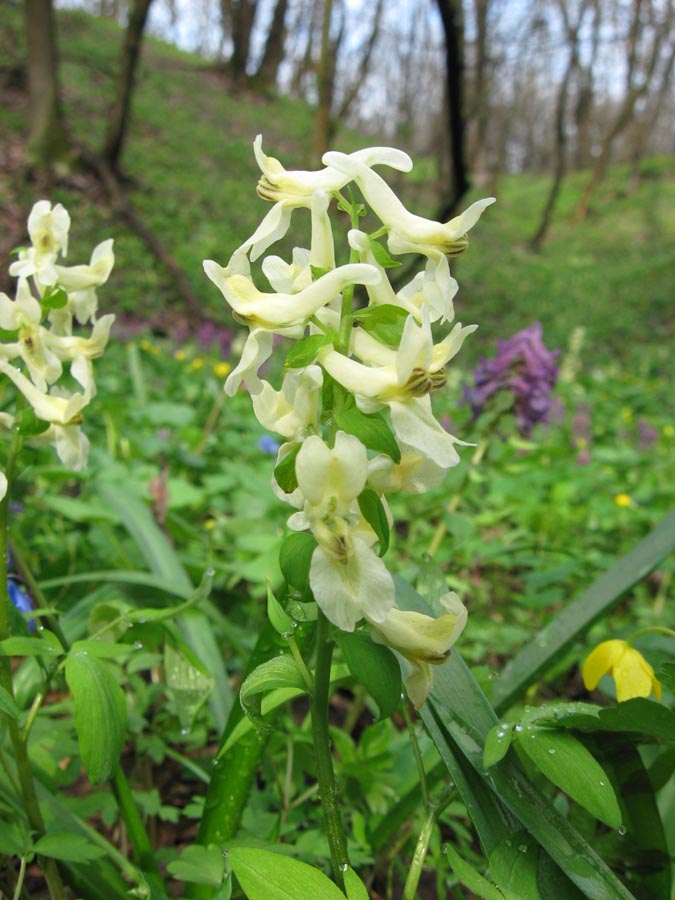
(211, 572)
(522, 848)
(343, 867)
(185, 730)
(622, 830)
(602, 784)
(444, 848)
(551, 751)
(138, 645)
(507, 842)
(226, 853)
(518, 728)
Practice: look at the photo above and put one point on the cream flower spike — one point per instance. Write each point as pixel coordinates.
(277, 311)
(406, 228)
(297, 187)
(85, 277)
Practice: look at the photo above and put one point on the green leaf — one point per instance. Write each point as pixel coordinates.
(100, 714)
(271, 876)
(304, 352)
(284, 472)
(566, 762)
(295, 557)
(45, 645)
(470, 878)
(28, 424)
(372, 510)
(200, 865)
(513, 865)
(188, 682)
(497, 743)
(281, 622)
(374, 666)
(640, 715)
(102, 649)
(279, 672)
(54, 297)
(382, 257)
(68, 846)
(354, 887)
(552, 642)
(372, 429)
(7, 704)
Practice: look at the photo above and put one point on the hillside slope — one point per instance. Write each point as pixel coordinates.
(190, 159)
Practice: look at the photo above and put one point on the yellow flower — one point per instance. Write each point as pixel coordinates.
(179, 355)
(197, 363)
(145, 344)
(632, 674)
(623, 500)
(668, 430)
(221, 369)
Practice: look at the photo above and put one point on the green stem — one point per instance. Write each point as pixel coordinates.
(19, 880)
(304, 671)
(420, 854)
(138, 835)
(337, 841)
(348, 292)
(660, 629)
(419, 762)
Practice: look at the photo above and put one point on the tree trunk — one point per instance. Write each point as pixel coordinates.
(47, 147)
(324, 78)
(477, 125)
(633, 93)
(243, 16)
(273, 54)
(364, 66)
(119, 116)
(572, 32)
(452, 19)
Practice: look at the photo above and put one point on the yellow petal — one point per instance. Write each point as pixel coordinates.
(633, 675)
(601, 661)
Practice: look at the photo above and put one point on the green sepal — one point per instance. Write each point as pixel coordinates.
(372, 429)
(374, 666)
(281, 622)
(284, 471)
(372, 510)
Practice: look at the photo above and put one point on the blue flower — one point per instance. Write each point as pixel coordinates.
(20, 599)
(268, 444)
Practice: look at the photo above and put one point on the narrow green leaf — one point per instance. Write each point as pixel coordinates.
(281, 622)
(100, 714)
(7, 704)
(372, 510)
(372, 429)
(557, 637)
(279, 672)
(45, 645)
(67, 846)
(284, 472)
(295, 557)
(271, 876)
(513, 865)
(565, 761)
(303, 353)
(199, 865)
(374, 666)
(497, 743)
(639, 715)
(470, 878)
(102, 649)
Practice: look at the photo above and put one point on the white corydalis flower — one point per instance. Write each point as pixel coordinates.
(48, 230)
(256, 308)
(423, 640)
(293, 410)
(347, 577)
(406, 228)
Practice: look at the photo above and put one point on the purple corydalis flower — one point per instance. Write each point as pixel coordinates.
(523, 366)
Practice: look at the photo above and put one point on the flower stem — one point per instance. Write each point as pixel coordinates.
(138, 835)
(660, 629)
(337, 841)
(415, 870)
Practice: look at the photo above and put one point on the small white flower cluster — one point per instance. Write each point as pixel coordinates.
(38, 330)
(354, 406)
